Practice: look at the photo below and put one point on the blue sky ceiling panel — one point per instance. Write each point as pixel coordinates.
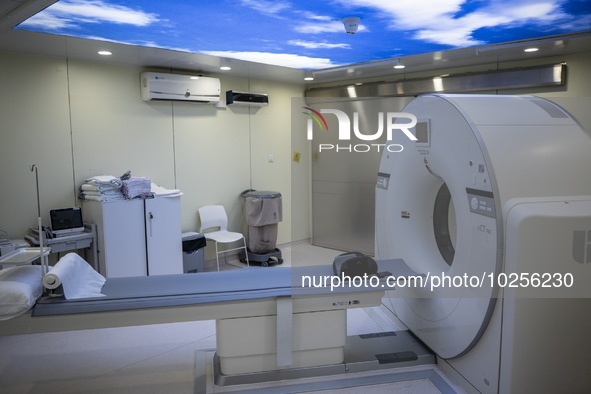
(309, 34)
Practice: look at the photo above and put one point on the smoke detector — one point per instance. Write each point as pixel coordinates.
(351, 24)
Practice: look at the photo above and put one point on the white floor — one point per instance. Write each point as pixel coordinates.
(149, 359)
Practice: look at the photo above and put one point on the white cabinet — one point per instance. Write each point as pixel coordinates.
(137, 237)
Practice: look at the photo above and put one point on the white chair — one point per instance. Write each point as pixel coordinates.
(215, 217)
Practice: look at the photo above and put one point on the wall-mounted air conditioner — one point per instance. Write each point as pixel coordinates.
(160, 86)
(245, 98)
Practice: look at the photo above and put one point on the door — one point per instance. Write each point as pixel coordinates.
(164, 235)
(344, 178)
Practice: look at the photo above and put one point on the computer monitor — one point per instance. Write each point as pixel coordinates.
(66, 221)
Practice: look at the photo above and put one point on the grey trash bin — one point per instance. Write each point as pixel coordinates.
(263, 210)
(193, 244)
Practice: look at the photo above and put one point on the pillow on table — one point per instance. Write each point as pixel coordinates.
(20, 287)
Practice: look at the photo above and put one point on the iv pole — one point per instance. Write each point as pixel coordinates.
(42, 255)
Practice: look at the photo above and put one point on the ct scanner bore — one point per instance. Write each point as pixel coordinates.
(441, 203)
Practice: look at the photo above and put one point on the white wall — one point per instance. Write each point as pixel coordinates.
(34, 129)
(75, 119)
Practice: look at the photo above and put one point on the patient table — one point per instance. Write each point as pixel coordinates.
(265, 319)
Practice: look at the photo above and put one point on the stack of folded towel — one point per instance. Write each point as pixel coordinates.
(110, 188)
(101, 188)
(136, 187)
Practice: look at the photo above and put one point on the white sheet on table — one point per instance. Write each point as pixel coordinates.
(77, 277)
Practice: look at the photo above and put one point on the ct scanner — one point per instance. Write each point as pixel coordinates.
(495, 187)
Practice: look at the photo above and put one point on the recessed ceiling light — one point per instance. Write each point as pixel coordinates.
(193, 77)
(530, 50)
(225, 68)
(399, 65)
(105, 53)
(308, 78)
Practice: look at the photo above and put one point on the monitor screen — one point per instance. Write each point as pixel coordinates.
(66, 220)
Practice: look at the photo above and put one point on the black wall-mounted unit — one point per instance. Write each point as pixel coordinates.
(245, 98)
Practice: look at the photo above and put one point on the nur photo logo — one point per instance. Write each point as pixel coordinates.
(345, 126)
